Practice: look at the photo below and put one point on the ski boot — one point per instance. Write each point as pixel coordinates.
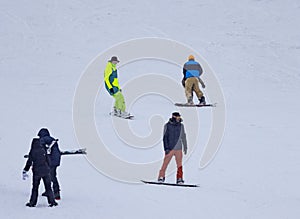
(30, 205)
(53, 204)
(161, 179)
(125, 114)
(56, 195)
(190, 101)
(180, 181)
(202, 101)
(116, 112)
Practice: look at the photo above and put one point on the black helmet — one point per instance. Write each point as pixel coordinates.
(176, 114)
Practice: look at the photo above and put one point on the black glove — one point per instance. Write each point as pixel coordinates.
(24, 175)
(185, 150)
(111, 90)
(167, 152)
(183, 82)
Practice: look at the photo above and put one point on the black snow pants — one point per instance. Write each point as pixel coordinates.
(54, 180)
(35, 188)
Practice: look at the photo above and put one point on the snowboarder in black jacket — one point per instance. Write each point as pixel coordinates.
(40, 162)
(49, 142)
(174, 140)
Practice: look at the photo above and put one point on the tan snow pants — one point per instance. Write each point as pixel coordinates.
(192, 84)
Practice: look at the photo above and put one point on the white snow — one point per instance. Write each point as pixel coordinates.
(253, 47)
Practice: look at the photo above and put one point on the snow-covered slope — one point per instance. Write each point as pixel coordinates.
(253, 47)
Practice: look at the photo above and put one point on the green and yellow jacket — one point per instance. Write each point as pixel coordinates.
(111, 78)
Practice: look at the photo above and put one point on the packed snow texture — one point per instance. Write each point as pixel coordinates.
(253, 47)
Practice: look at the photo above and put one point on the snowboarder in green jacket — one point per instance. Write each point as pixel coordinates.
(113, 87)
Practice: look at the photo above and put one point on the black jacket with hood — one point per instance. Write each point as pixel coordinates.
(38, 159)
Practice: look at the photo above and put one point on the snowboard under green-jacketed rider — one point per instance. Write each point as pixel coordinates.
(113, 87)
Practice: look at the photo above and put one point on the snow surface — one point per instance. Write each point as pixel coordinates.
(252, 45)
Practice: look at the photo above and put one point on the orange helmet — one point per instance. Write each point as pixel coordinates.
(191, 57)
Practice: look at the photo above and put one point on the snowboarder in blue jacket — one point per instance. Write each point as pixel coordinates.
(192, 71)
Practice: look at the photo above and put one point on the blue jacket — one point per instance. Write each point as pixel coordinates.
(174, 136)
(192, 69)
(46, 139)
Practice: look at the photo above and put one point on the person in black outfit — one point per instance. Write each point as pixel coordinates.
(55, 156)
(39, 160)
